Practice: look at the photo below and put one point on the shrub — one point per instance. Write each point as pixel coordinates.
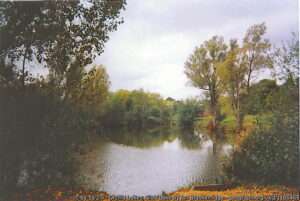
(38, 133)
(268, 156)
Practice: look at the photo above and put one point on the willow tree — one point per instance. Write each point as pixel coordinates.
(201, 69)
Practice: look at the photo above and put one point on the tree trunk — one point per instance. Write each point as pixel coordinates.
(214, 148)
(239, 119)
(250, 72)
(23, 67)
(248, 80)
(239, 116)
(216, 115)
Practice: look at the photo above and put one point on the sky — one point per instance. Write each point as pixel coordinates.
(150, 48)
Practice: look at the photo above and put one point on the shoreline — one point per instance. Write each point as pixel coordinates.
(250, 192)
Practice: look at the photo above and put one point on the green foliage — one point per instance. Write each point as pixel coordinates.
(43, 124)
(38, 132)
(237, 70)
(258, 99)
(260, 119)
(201, 67)
(136, 109)
(229, 125)
(252, 120)
(43, 121)
(270, 154)
(287, 60)
(90, 89)
(226, 106)
(204, 121)
(256, 51)
(139, 109)
(187, 112)
(232, 72)
(202, 70)
(57, 32)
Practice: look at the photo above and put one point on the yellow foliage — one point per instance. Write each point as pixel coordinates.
(226, 107)
(249, 124)
(73, 195)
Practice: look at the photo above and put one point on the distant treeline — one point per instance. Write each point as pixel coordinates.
(140, 109)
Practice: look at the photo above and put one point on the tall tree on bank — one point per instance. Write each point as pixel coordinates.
(201, 68)
(55, 32)
(256, 51)
(232, 73)
(92, 90)
(240, 64)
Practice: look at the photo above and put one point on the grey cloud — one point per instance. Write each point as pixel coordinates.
(149, 50)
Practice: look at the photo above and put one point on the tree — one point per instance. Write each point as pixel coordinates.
(187, 111)
(94, 88)
(287, 60)
(232, 73)
(115, 109)
(57, 32)
(136, 109)
(258, 101)
(270, 153)
(240, 64)
(201, 68)
(256, 51)
(41, 126)
(88, 90)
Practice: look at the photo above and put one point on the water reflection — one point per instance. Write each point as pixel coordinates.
(148, 162)
(154, 137)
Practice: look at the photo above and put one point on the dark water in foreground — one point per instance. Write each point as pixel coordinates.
(148, 163)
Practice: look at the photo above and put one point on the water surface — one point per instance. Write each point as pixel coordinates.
(148, 163)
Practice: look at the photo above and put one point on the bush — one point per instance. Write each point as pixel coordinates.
(268, 156)
(38, 133)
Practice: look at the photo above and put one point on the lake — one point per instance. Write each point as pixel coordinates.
(149, 162)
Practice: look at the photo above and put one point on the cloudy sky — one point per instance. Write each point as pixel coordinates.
(149, 49)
